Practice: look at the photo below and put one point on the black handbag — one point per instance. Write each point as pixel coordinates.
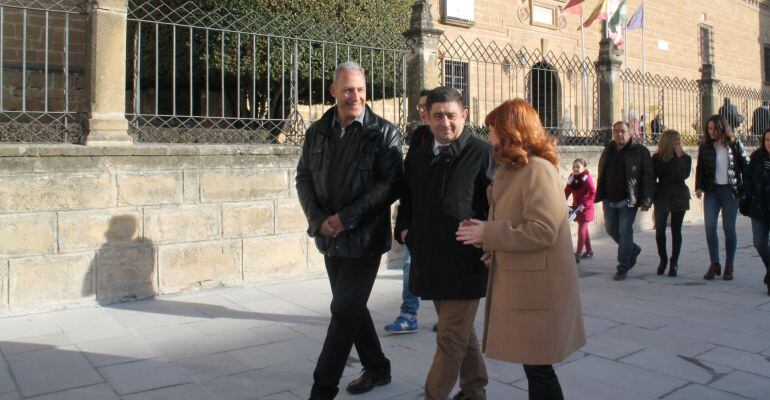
(744, 207)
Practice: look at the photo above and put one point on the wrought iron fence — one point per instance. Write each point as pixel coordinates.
(210, 76)
(747, 110)
(42, 55)
(654, 103)
(563, 88)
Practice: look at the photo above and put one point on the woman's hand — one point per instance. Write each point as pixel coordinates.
(487, 259)
(470, 232)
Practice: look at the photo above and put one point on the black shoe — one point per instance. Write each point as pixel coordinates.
(588, 254)
(662, 265)
(636, 254)
(674, 267)
(463, 396)
(577, 258)
(366, 382)
(621, 274)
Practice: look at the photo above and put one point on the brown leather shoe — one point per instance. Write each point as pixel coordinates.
(714, 270)
(728, 276)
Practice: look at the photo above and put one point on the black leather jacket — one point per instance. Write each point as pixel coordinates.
(373, 183)
(640, 175)
(757, 183)
(705, 170)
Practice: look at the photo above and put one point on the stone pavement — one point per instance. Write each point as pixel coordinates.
(651, 337)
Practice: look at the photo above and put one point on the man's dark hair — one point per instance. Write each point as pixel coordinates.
(424, 92)
(444, 94)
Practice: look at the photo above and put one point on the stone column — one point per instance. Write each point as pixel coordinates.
(422, 69)
(106, 49)
(709, 100)
(608, 74)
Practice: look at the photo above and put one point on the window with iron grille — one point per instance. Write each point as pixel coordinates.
(456, 76)
(706, 45)
(766, 67)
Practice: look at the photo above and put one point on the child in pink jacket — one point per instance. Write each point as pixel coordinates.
(581, 187)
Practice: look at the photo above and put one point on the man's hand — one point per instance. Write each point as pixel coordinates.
(403, 235)
(336, 224)
(326, 228)
(645, 208)
(699, 193)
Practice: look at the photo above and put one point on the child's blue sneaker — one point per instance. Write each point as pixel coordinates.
(402, 325)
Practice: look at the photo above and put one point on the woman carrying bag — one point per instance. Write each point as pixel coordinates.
(756, 182)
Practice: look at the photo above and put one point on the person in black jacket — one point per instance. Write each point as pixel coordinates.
(672, 196)
(349, 173)
(757, 185)
(721, 160)
(626, 182)
(406, 321)
(446, 183)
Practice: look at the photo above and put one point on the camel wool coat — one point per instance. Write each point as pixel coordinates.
(533, 314)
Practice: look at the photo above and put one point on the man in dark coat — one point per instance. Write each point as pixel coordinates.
(349, 174)
(731, 113)
(626, 182)
(406, 321)
(446, 182)
(760, 119)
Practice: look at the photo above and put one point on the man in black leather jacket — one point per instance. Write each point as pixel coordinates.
(349, 174)
(626, 182)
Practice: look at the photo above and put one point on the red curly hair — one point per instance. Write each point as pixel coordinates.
(520, 133)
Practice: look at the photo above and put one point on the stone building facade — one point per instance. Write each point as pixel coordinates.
(737, 38)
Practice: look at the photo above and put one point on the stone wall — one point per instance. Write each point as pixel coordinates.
(85, 225)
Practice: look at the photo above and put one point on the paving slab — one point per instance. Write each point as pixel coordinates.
(672, 344)
(182, 392)
(51, 370)
(609, 347)
(741, 360)
(700, 392)
(118, 350)
(96, 392)
(143, 375)
(745, 384)
(623, 376)
(670, 364)
(211, 366)
(35, 343)
(6, 382)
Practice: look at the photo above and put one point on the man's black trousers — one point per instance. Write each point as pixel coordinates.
(351, 281)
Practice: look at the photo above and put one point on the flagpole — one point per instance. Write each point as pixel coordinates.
(625, 65)
(644, 76)
(585, 75)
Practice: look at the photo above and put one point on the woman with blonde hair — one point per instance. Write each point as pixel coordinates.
(672, 196)
(533, 314)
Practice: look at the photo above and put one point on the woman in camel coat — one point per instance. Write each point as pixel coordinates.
(533, 314)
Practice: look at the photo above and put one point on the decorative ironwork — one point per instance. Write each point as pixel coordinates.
(245, 78)
(562, 87)
(747, 110)
(41, 71)
(654, 103)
